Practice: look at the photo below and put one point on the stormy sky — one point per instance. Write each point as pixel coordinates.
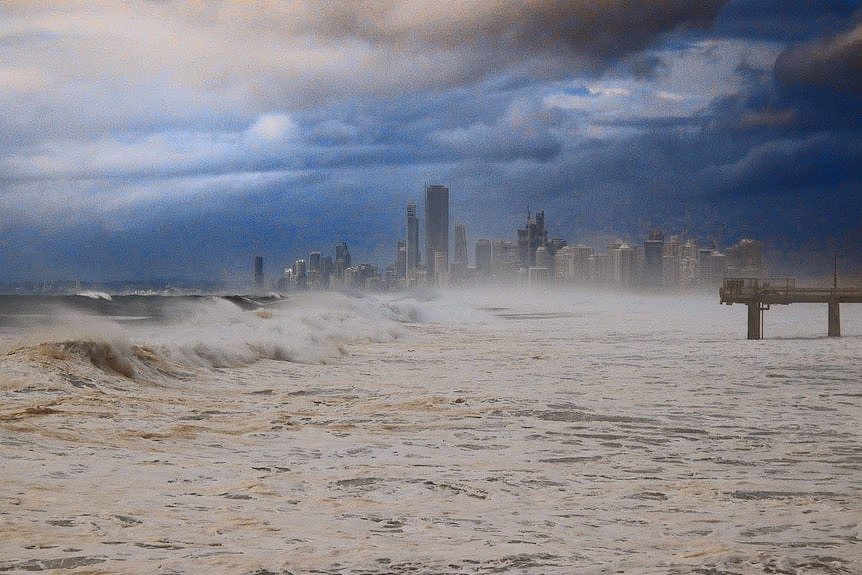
(160, 139)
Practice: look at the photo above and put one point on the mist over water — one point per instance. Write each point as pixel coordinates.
(455, 432)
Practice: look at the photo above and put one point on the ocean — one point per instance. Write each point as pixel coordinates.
(464, 432)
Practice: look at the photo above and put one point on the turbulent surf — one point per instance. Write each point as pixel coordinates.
(546, 432)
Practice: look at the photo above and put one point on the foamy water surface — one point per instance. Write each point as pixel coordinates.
(537, 432)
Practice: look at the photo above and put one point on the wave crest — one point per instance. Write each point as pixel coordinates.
(216, 333)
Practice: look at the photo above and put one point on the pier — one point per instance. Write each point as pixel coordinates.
(759, 294)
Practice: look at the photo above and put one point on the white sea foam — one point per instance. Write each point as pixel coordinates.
(216, 333)
(95, 295)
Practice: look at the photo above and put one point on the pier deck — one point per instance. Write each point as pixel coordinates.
(758, 294)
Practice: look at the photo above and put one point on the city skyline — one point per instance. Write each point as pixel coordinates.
(533, 259)
(510, 257)
(158, 140)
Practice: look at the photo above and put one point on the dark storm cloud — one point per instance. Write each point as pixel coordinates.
(833, 63)
(497, 33)
(817, 163)
(785, 20)
(121, 62)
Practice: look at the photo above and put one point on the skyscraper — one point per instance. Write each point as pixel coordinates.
(342, 260)
(437, 228)
(530, 237)
(401, 259)
(412, 241)
(314, 270)
(483, 257)
(653, 254)
(461, 245)
(342, 253)
(258, 272)
(745, 259)
(314, 261)
(300, 273)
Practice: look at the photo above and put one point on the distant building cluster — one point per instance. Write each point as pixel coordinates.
(531, 258)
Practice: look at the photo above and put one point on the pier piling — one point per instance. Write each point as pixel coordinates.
(754, 320)
(834, 319)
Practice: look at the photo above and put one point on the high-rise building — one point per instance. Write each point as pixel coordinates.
(313, 280)
(327, 267)
(483, 258)
(505, 259)
(564, 265)
(300, 273)
(581, 264)
(342, 260)
(437, 228)
(314, 262)
(671, 251)
(745, 259)
(342, 253)
(458, 267)
(286, 281)
(542, 257)
(401, 259)
(412, 242)
(572, 263)
(461, 245)
(711, 267)
(530, 237)
(600, 268)
(258, 272)
(441, 278)
(622, 263)
(653, 256)
(688, 255)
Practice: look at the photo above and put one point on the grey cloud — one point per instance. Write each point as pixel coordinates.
(832, 63)
(301, 54)
(776, 167)
(785, 20)
(520, 134)
(598, 32)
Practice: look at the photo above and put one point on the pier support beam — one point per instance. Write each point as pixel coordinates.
(834, 319)
(754, 320)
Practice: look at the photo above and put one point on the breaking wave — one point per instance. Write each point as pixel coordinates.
(95, 295)
(213, 332)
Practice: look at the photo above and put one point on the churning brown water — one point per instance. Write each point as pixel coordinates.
(468, 433)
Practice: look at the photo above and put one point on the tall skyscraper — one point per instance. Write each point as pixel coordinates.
(653, 255)
(437, 228)
(342, 253)
(314, 261)
(401, 259)
(530, 237)
(300, 273)
(314, 270)
(622, 262)
(342, 259)
(258, 272)
(483, 257)
(460, 245)
(412, 241)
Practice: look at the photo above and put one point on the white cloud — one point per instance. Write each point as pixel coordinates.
(273, 128)
(690, 81)
(671, 96)
(17, 79)
(609, 91)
